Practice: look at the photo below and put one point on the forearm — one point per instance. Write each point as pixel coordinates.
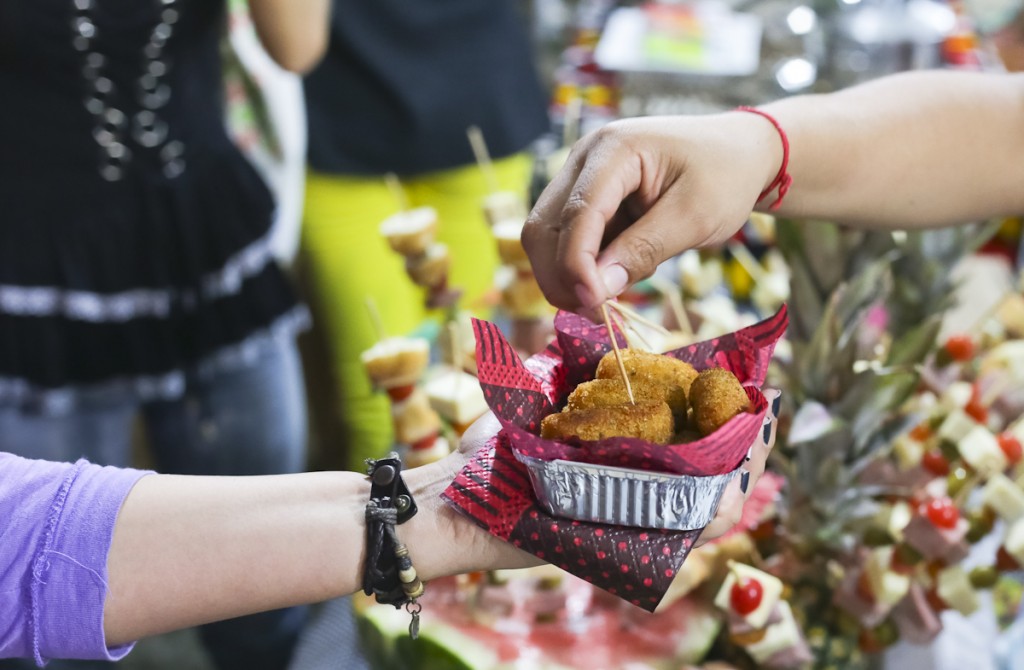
(188, 550)
(294, 32)
(912, 150)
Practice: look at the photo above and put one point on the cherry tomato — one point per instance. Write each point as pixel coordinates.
(976, 411)
(921, 432)
(863, 588)
(960, 347)
(937, 603)
(746, 595)
(1011, 447)
(942, 512)
(1004, 561)
(934, 462)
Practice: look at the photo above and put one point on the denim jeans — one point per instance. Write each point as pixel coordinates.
(249, 421)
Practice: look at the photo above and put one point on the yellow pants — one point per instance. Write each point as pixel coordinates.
(348, 261)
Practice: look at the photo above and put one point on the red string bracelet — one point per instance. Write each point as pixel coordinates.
(782, 180)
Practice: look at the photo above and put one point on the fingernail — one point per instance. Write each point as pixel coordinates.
(777, 404)
(767, 432)
(615, 279)
(750, 453)
(744, 481)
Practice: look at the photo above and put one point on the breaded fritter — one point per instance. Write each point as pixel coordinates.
(646, 421)
(715, 397)
(647, 369)
(608, 392)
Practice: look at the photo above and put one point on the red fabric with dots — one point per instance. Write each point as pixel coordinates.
(494, 489)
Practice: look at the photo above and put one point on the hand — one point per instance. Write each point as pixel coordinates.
(640, 191)
(730, 509)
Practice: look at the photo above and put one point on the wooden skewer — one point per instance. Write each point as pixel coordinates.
(571, 121)
(395, 186)
(638, 317)
(454, 345)
(618, 354)
(627, 323)
(671, 293)
(624, 328)
(378, 323)
(747, 260)
(483, 157)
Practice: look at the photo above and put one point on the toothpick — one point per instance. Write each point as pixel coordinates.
(626, 324)
(638, 317)
(378, 324)
(747, 260)
(618, 354)
(395, 186)
(483, 158)
(571, 121)
(454, 346)
(672, 294)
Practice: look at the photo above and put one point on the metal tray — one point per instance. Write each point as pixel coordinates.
(624, 496)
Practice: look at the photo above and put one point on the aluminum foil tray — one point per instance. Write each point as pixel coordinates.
(624, 496)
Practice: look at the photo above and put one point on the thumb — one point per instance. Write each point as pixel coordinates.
(637, 251)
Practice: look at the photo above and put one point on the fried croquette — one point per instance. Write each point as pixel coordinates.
(608, 392)
(647, 421)
(715, 397)
(647, 369)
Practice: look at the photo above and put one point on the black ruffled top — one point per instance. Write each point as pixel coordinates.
(125, 286)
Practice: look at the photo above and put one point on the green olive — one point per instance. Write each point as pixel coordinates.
(984, 577)
(956, 480)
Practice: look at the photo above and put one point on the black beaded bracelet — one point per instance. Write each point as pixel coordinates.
(388, 574)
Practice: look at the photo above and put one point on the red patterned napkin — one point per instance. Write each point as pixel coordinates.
(494, 489)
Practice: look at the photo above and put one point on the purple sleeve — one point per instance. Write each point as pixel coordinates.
(56, 524)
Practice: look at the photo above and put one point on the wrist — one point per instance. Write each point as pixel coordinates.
(768, 151)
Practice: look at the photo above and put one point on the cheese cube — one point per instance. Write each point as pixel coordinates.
(894, 518)
(887, 586)
(778, 637)
(957, 395)
(981, 451)
(771, 592)
(1003, 496)
(956, 426)
(1014, 542)
(456, 395)
(955, 589)
(908, 452)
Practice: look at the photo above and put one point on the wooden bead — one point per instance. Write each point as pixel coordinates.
(414, 590)
(408, 575)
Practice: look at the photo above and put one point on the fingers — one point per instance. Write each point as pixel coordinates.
(730, 508)
(477, 435)
(564, 232)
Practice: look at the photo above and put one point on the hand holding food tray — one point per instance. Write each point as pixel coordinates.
(629, 560)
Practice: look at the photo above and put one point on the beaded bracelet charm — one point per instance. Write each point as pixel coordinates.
(388, 573)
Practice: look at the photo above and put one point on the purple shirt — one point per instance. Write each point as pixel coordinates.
(56, 524)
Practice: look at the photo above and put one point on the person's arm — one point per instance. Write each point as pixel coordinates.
(294, 32)
(908, 151)
(911, 150)
(189, 550)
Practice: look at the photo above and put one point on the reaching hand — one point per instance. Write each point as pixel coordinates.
(640, 191)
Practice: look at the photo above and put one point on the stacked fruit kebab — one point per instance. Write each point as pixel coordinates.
(395, 365)
(521, 297)
(759, 620)
(412, 234)
(960, 474)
